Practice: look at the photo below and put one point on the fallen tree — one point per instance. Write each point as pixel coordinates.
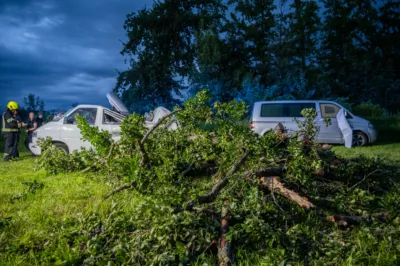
(213, 185)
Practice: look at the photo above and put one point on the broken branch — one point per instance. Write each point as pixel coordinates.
(273, 183)
(115, 191)
(210, 197)
(344, 220)
(224, 247)
(159, 122)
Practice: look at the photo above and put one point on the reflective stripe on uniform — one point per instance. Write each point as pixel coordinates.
(3, 125)
(10, 120)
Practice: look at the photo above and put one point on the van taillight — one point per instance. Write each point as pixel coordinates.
(252, 124)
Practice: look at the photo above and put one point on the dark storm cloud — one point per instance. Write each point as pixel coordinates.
(62, 51)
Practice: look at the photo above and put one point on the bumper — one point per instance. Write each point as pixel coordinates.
(35, 149)
(372, 135)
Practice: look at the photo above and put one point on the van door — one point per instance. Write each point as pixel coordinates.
(70, 133)
(332, 133)
(292, 111)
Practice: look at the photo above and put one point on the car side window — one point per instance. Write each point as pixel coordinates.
(88, 113)
(329, 110)
(110, 120)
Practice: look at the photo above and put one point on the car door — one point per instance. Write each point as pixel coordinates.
(111, 121)
(70, 133)
(332, 133)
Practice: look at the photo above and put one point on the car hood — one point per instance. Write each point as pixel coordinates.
(116, 102)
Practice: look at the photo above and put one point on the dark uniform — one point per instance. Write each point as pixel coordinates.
(15, 153)
(39, 121)
(9, 127)
(28, 139)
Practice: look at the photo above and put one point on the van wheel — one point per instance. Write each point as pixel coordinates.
(62, 147)
(359, 139)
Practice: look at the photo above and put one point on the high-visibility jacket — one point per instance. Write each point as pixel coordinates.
(9, 123)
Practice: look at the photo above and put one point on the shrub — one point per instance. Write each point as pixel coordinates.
(369, 110)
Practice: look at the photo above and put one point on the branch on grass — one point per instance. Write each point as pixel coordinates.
(362, 180)
(115, 191)
(345, 221)
(187, 170)
(143, 153)
(225, 257)
(159, 122)
(210, 197)
(102, 160)
(273, 183)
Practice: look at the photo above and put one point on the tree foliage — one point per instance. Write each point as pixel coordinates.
(33, 103)
(213, 188)
(285, 49)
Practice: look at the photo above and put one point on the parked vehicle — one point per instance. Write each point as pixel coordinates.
(267, 114)
(66, 135)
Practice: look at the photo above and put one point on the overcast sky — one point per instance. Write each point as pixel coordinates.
(64, 51)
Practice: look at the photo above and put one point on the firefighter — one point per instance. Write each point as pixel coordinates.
(10, 126)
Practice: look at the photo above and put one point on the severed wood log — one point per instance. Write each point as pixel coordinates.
(274, 171)
(345, 221)
(224, 247)
(272, 183)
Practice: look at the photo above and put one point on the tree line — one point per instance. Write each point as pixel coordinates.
(263, 50)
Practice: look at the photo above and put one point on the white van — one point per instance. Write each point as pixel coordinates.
(267, 114)
(66, 135)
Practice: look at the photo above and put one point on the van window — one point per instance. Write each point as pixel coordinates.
(88, 113)
(329, 110)
(284, 109)
(294, 109)
(272, 110)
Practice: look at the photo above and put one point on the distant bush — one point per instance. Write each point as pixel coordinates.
(369, 110)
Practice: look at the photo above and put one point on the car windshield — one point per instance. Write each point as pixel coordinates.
(62, 117)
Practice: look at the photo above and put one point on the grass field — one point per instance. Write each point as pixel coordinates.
(32, 219)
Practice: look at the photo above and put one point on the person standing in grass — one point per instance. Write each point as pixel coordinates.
(31, 126)
(9, 127)
(39, 119)
(15, 153)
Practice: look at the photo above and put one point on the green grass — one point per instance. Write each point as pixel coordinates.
(45, 215)
(60, 203)
(384, 150)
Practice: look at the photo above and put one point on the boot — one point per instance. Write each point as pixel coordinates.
(7, 158)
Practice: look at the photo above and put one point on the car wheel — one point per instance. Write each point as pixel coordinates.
(359, 139)
(62, 147)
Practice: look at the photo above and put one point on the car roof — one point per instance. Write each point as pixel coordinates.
(89, 106)
(297, 101)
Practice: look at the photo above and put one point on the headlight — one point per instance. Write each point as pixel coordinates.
(371, 126)
(34, 134)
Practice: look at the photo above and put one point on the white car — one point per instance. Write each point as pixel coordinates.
(67, 137)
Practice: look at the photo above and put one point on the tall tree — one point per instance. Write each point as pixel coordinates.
(304, 23)
(161, 47)
(33, 103)
(255, 22)
(389, 47)
(337, 47)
